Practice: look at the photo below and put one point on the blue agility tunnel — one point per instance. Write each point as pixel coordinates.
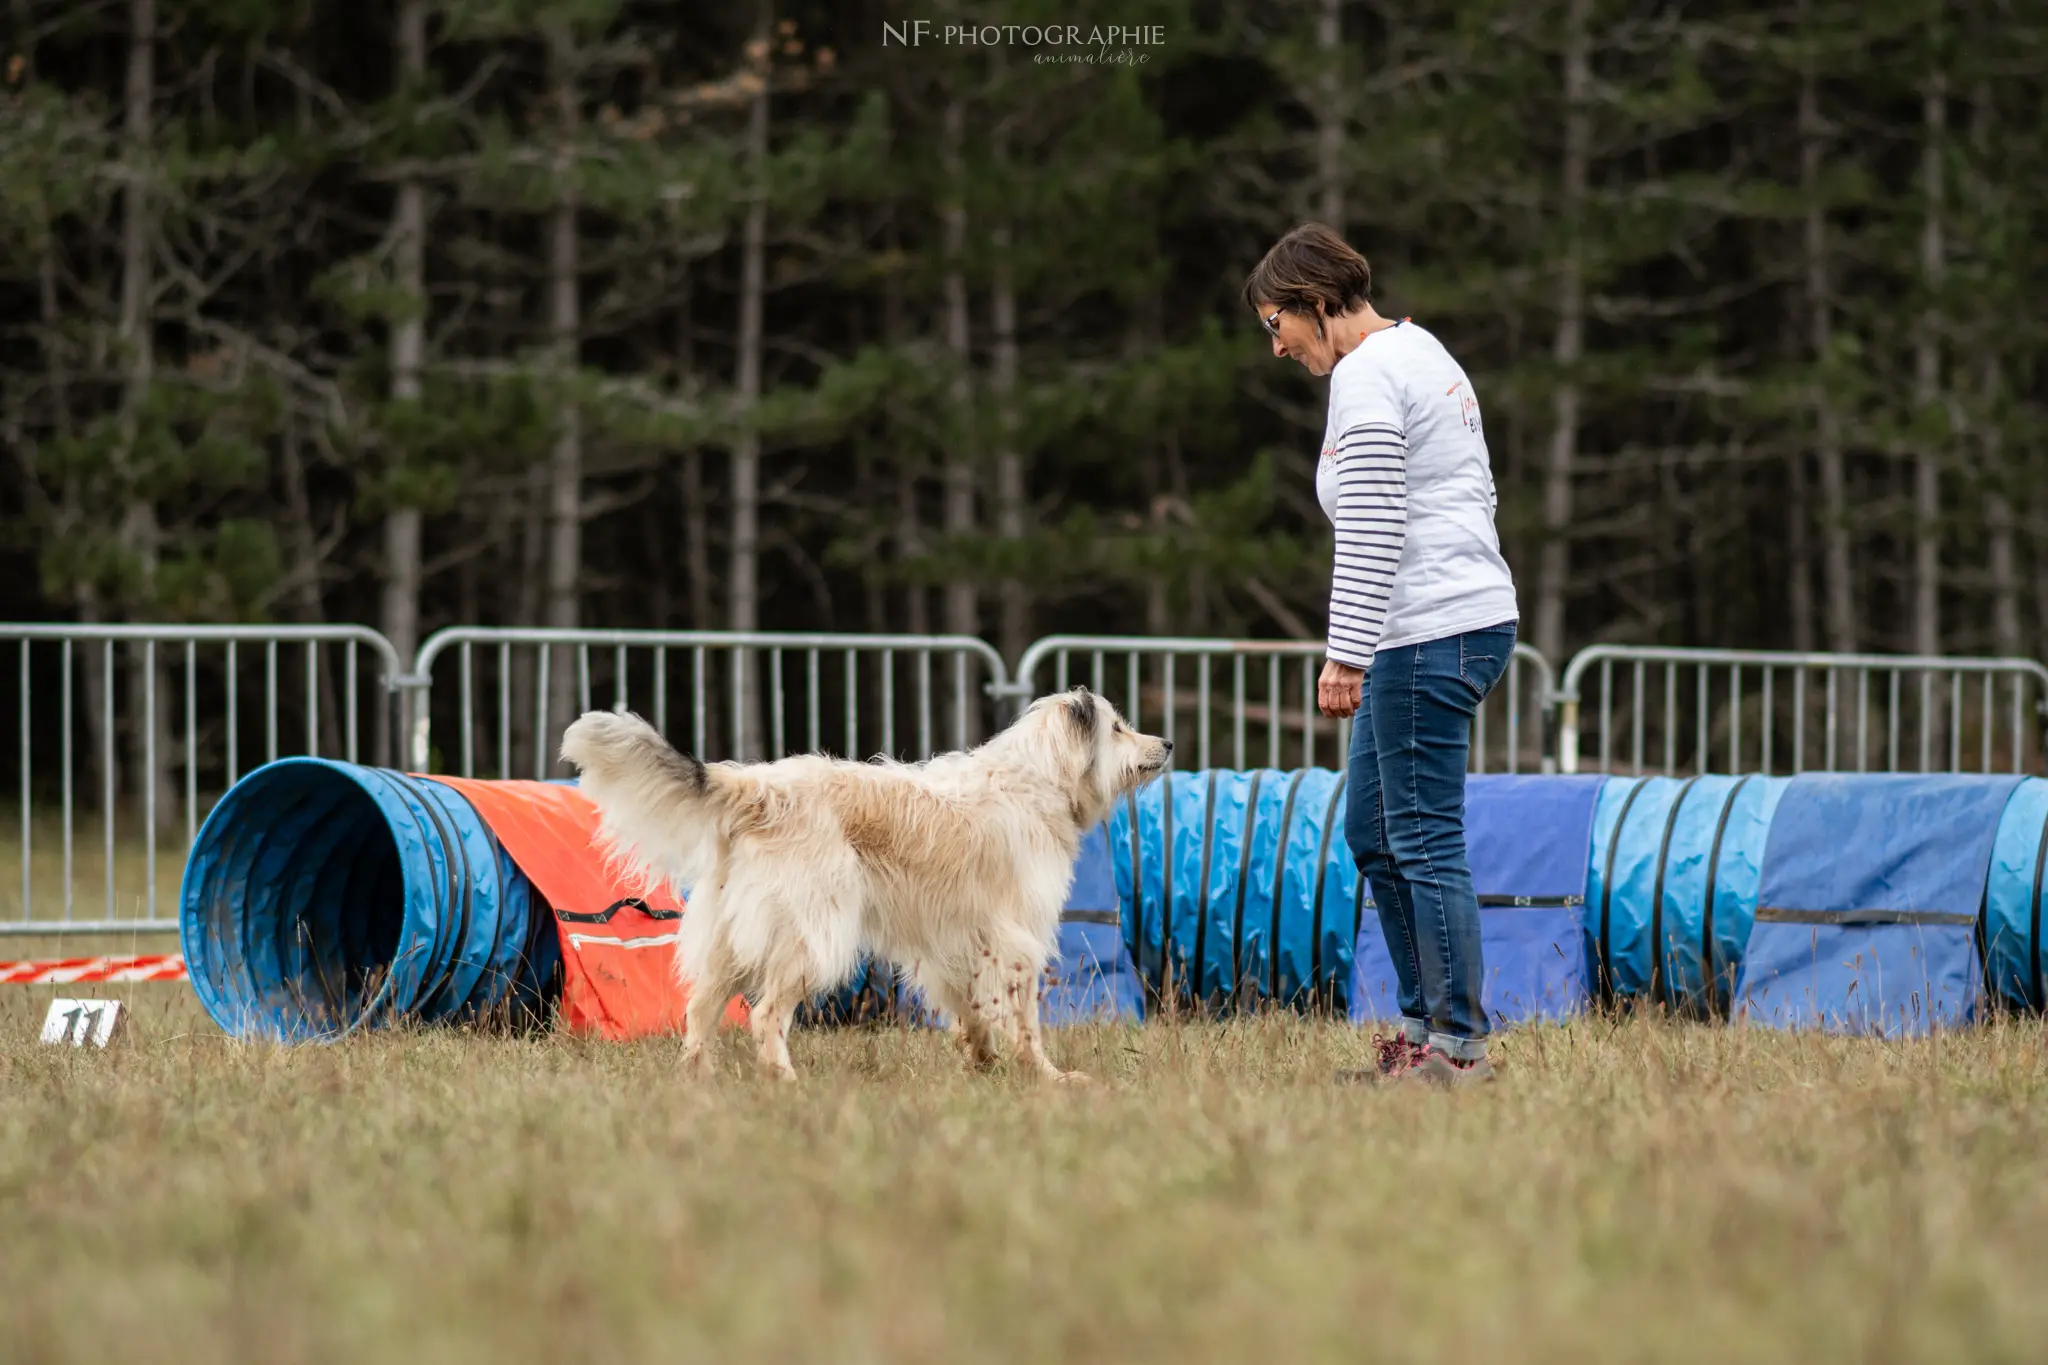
(321, 897)
(1237, 887)
(2014, 955)
(1886, 903)
(1671, 888)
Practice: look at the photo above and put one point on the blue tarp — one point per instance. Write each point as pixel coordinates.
(1092, 978)
(1528, 838)
(1868, 913)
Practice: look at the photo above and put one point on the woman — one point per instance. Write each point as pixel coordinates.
(1422, 624)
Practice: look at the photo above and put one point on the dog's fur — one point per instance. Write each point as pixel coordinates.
(954, 870)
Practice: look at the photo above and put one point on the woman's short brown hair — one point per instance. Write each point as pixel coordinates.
(1310, 265)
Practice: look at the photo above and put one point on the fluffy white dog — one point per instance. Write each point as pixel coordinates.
(954, 870)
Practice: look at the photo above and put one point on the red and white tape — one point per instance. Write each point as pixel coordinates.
(71, 970)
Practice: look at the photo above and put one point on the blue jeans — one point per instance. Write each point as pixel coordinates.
(1405, 822)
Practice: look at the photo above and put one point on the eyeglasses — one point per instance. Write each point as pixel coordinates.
(1272, 324)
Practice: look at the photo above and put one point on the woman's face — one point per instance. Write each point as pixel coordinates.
(1296, 335)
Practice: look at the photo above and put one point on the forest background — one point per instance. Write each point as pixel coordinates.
(797, 316)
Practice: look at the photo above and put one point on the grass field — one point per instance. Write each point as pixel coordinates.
(1625, 1192)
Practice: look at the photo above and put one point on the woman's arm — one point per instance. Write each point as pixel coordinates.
(1372, 527)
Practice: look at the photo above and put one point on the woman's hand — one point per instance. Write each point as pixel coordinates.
(1340, 690)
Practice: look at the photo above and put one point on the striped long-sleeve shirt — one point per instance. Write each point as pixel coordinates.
(1370, 466)
(1408, 487)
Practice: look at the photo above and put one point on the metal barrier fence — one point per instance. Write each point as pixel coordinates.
(137, 729)
(1760, 710)
(511, 692)
(128, 733)
(1176, 683)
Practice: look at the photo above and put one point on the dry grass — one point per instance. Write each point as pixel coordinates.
(1624, 1193)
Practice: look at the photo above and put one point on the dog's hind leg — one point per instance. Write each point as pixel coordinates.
(966, 1006)
(1022, 979)
(770, 1023)
(711, 984)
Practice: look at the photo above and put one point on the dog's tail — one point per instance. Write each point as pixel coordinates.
(665, 815)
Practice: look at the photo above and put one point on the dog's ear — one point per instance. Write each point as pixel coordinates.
(1080, 706)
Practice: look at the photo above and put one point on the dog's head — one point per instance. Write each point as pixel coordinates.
(1081, 740)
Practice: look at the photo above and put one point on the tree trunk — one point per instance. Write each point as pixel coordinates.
(565, 463)
(1014, 629)
(1998, 525)
(1927, 396)
(697, 541)
(1194, 618)
(874, 591)
(743, 606)
(696, 518)
(399, 608)
(94, 678)
(1330, 117)
(962, 602)
(1799, 550)
(917, 610)
(483, 725)
(908, 534)
(527, 758)
(152, 756)
(1013, 624)
(2000, 550)
(71, 512)
(306, 599)
(696, 510)
(1927, 375)
(2040, 576)
(1837, 581)
(962, 608)
(1151, 486)
(1568, 345)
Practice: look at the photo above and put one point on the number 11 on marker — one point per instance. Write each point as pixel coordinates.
(81, 1022)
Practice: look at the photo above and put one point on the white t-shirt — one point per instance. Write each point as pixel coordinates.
(1405, 480)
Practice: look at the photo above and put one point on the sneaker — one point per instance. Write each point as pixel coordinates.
(1438, 1067)
(1395, 1057)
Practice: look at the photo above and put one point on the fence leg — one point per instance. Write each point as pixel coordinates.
(410, 720)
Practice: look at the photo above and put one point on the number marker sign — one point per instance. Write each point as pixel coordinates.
(83, 1022)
